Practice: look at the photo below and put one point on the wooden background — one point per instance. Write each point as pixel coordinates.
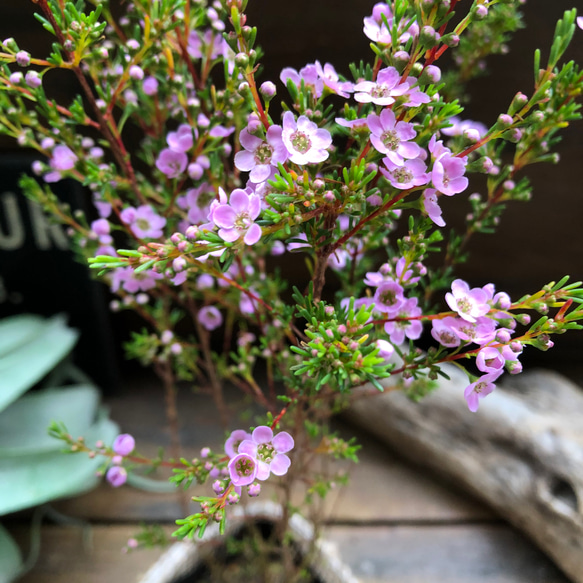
(392, 523)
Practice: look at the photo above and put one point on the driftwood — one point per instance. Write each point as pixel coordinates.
(522, 452)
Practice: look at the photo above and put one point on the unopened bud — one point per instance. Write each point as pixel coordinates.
(451, 40)
(268, 90)
(481, 12)
(505, 120)
(431, 75)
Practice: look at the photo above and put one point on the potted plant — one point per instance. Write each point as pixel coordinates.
(197, 221)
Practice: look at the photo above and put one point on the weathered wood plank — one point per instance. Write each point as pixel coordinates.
(443, 554)
(387, 554)
(73, 555)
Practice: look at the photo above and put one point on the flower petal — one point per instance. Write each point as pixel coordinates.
(249, 141)
(262, 434)
(249, 447)
(252, 235)
(262, 470)
(224, 216)
(244, 161)
(283, 442)
(280, 464)
(239, 200)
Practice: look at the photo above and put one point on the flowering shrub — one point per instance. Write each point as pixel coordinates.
(352, 175)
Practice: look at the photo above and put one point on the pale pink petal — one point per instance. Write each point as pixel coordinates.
(280, 464)
(228, 235)
(244, 160)
(262, 470)
(239, 201)
(249, 447)
(262, 434)
(283, 442)
(259, 173)
(252, 235)
(224, 216)
(374, 123)
(249, 141)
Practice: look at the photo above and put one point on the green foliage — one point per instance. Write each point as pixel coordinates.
(338, 352)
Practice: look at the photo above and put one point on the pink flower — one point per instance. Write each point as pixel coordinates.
(328, 75)
(210, 317)
(444, 332)
(63, 158)
(432, 207)
(236, 219)
(482, 331)
(376, 30)
(269, 451)
(448, 174)
(234, 440)
(304, 140)
(308, 74)
(374, 26)
(150, 86)
(242, 469)
(470, 304)
(124, 444)
(390, 137)
(490, 360)
(410, 174)
(260, 156)
(144, 222)
(389, 297)
(133, 282)
(182, 139)
(198, 202)
(33, 79)
(472, 130)
(580, 22)
(382, 92)
(479, 389)
(386, 349)
(412, 329)
(116, 476)
(198, 47)
(353, 124)
(171, 162)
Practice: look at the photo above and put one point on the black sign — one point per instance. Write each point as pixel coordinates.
(40, 275)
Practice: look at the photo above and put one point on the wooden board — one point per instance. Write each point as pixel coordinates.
(405, 526)
(382, 554)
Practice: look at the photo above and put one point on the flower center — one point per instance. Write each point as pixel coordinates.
(381, 90)
(265, 452)
(300, 142)
(245, 466)
(263, 154)
(480, 387)
(242, 222)
(464, 305)
(447, 338)
(388, 297)
(143, 224)
(390, 140)
(402, 175)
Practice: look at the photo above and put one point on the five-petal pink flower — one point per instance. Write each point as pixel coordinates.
(268, 450)
(304, 140)
(236, 219)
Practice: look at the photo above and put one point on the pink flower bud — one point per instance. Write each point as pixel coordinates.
(124, 444)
